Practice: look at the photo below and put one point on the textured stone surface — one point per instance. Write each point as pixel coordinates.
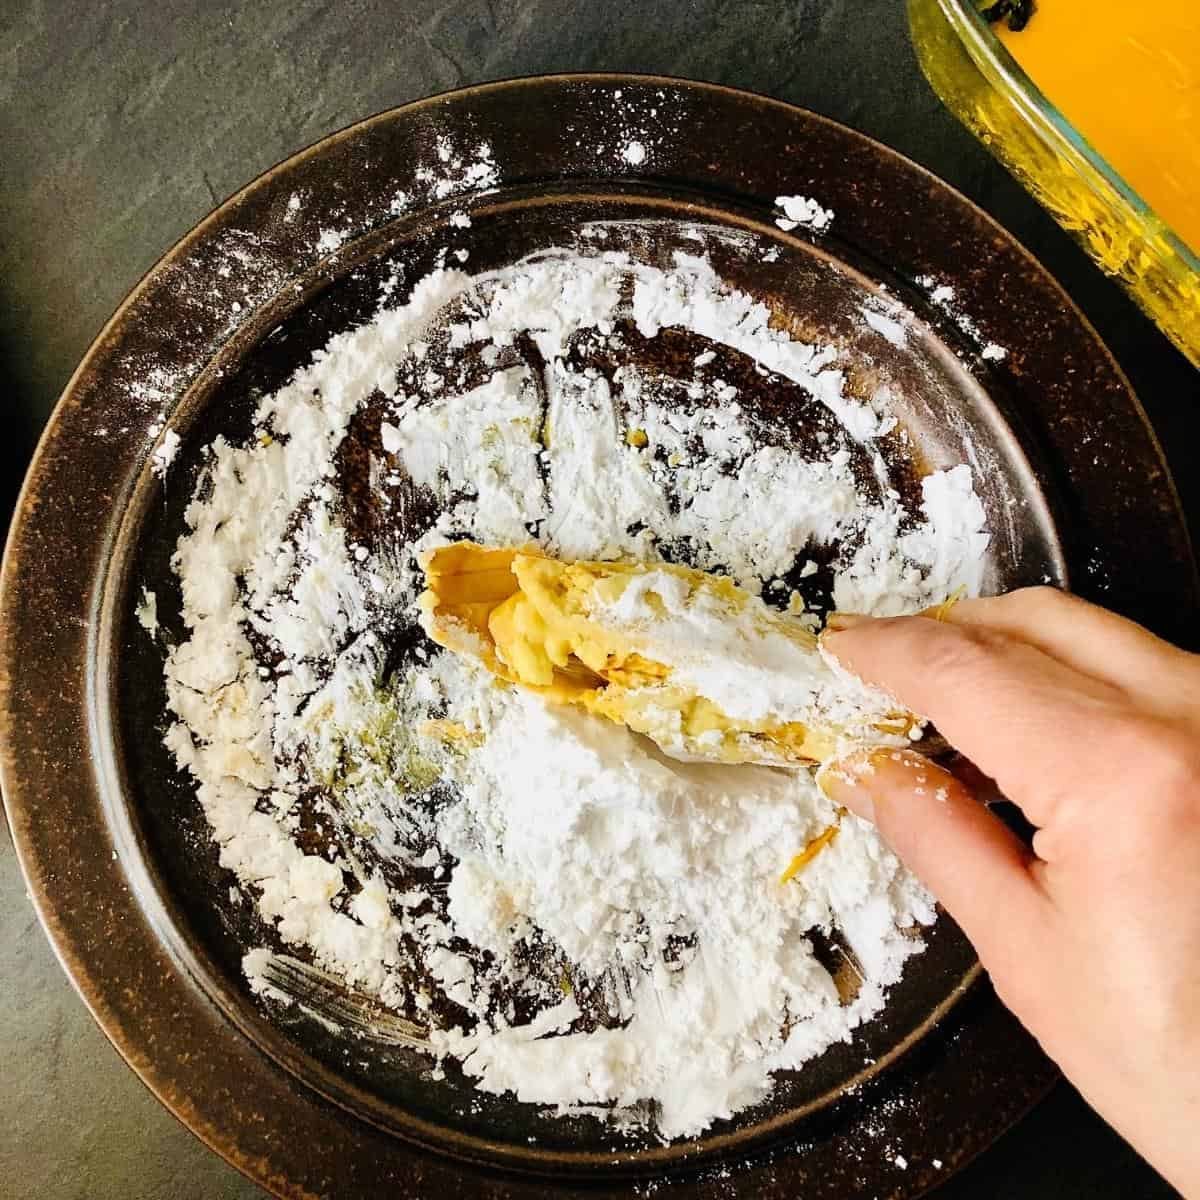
(121, 124)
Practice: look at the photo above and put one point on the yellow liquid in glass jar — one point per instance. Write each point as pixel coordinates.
(1126, 74)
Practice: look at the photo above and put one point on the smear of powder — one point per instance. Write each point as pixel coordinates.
(164, 453)
(945, 297)
(590, 878)
(887, 317)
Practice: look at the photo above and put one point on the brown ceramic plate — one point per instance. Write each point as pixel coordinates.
(112, 842)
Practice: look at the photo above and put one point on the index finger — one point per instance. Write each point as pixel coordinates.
(1093, 641)
(1019, 714)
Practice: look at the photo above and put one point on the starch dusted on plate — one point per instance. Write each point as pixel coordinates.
(577, 917)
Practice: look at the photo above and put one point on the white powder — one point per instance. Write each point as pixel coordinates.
(164, 453)
(634, 153)
(330, 240)
(458, 169)
(588, 872)
(892, 330)
(893, 572)
(615, 852)
(484, 436)
(690, 298)
(945, 297)
(801, 210)
(888, 318)
(147, 612)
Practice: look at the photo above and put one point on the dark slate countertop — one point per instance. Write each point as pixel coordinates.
(122, 123)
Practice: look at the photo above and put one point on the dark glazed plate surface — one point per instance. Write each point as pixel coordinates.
(113, 846)
(949, 419)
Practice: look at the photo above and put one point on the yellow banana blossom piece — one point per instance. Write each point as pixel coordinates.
(555, 628)
(939, 612)
(809, 852)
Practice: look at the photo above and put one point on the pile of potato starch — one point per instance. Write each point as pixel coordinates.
(604, 926)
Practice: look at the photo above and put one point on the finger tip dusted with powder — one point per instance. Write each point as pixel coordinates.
(845, 782)
(935, 823)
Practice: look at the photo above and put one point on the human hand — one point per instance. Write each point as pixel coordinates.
(1091, 725)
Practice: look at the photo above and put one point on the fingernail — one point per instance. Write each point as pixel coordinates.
(836, 622)
(844, 781)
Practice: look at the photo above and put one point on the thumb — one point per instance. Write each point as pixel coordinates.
(973, 864)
